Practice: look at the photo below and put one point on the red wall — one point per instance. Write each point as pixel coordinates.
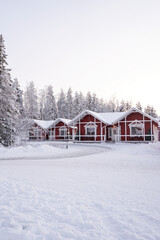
(57, 126)
(89, 118)
(132, 117)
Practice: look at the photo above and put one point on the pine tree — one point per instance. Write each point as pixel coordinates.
(41, 101)
(82, 101)
(151, 111)
(3, 57)
(31, 102)
(122, 106)
(89, 105)
(77, 104)
(69, 104)
(139, 106)
(50, 108)
(19, 98)
(128, 105)
(95, 103)
(8, 107)
(102, 106)
(111, 105)
(61, 105)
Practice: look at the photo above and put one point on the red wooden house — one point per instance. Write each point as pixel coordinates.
(39, 129)
(132, 125)
(61, 130)
(136, 125)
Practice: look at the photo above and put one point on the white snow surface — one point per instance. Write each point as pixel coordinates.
(83, 192)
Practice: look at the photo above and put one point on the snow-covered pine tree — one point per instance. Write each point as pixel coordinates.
(124, 106)
(41, 102)
(117, 106)
(151, 111)
(89, 103)
(111, 104)
(128, 105)
(19, 98)
(95, 103)
(8, 107)
(61, 105)
(82, 101)
(139, 106)
(50, 108)
(31, 102)
(76, 104)
(69, 99)
(102, 106)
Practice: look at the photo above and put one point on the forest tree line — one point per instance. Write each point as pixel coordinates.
(45, 105)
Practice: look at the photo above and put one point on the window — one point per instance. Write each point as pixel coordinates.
(37, 132)
(136, 128)
(90, 128)
(63, 131)
(51, 132)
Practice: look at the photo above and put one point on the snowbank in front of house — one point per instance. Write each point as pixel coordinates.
(29, 151)
(53, 150)
(49, 150)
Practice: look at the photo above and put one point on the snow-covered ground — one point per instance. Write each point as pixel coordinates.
(85, 192)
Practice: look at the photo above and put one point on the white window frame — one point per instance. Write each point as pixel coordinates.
(37, 132)
(91, 125)
(63, 128)
(136, 123)
(51, 132)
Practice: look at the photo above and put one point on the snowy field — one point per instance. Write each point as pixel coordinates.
(85, 192)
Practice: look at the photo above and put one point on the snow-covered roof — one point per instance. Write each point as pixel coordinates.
(158, 119)
(64, 120)
(107, 117)
(44, 124)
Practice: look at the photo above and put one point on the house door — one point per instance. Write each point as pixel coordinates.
(155, 131)
(114, 133)
(47, 136)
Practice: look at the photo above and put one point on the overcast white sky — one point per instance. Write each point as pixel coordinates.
(111, 47)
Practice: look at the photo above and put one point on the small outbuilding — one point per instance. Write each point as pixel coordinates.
(61, 130)
(39, 129)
